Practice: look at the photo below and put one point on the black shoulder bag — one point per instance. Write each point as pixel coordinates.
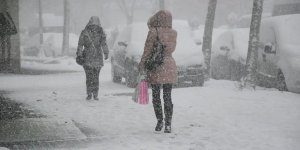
(157, 55)
(80, 60)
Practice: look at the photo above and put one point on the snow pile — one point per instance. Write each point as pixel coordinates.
(53, 42)
(50, 64)
(56, 39)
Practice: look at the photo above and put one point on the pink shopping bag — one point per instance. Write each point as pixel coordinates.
(143, 97)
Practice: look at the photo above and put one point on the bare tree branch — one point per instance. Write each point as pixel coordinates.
(128, 9)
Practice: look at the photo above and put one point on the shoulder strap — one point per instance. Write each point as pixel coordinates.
(89, 37)
(157, 37)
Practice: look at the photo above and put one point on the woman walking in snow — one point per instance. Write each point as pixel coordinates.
(91, 46)
(166, 74)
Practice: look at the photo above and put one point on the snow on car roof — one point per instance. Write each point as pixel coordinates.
(287, 33)
(236, 40)
(186, 53)
(241, 38)
(139, 32)
(287, 27)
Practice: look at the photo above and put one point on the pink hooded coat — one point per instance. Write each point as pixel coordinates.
(167, 72)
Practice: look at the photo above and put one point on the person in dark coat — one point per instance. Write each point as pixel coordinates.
(7, 28)
(91, 46)
(166, 74)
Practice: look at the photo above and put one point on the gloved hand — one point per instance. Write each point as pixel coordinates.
(142, 76)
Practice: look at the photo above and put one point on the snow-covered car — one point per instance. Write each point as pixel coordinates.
(279, 53)
(245, 20)
(229, 51)
(128, 49)
(198, 33)
(229, 54)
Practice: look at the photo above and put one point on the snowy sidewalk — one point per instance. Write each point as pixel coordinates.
(217, 116)
(22, 127)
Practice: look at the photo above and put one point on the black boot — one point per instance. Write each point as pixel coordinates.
(168, 108)
(95, 94)
(89, 92)
(159, 114)
(89, 97)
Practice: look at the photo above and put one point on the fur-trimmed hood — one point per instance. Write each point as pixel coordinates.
(162, 18)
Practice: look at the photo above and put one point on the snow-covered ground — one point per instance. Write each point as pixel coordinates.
(50, 64)
(218, 116)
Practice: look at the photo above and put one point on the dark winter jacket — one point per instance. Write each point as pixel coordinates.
(167, 72)
(92, 44)
(7, 26)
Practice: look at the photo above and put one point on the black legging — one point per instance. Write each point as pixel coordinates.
(92, 80)
(5, 47)
(167, 89)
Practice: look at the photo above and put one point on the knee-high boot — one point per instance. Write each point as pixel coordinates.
(168, 108)
(158, 113)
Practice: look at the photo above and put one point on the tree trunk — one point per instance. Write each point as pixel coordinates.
(207, 39)
(41, 29)
(251, 62)
(66, 29)
(161, 4)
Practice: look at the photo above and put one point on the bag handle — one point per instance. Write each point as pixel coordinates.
(158, 22)
(157, 37)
